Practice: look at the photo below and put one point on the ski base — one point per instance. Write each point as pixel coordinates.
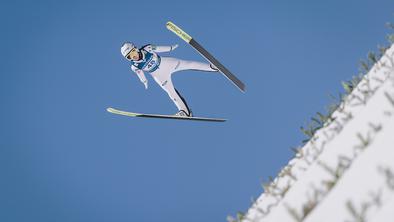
(160, 116)
(208, 56)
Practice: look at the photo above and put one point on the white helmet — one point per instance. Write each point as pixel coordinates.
(126, 48)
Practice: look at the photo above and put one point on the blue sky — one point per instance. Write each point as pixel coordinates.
(64, 158)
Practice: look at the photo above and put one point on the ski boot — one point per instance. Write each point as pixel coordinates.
(182, 113)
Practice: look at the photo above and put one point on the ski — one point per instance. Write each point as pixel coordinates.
(143, 115)
(191, 41)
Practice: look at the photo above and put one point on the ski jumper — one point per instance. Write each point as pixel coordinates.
(161, 69)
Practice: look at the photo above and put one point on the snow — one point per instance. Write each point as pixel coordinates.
(346, 171)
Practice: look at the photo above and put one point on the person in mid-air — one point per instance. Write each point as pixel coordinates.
(161, 68)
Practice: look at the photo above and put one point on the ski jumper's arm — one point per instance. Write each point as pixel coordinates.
(140, 75)
(159, 49)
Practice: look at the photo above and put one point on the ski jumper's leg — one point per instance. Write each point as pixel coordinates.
(179, 101)
(194, 65)
(163, 77)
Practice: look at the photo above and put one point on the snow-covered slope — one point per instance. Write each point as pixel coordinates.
(346, 171)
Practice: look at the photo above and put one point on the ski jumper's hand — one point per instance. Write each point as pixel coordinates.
(145, 82)
(174, 47)
(159, 49)
(141, 76)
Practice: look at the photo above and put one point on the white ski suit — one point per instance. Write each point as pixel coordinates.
(161, 69)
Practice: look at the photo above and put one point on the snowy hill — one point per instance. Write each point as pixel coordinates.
(345, 172)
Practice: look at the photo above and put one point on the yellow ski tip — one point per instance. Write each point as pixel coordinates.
(120, 112)
(111, 110)
(169, 23)
(178, 31)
